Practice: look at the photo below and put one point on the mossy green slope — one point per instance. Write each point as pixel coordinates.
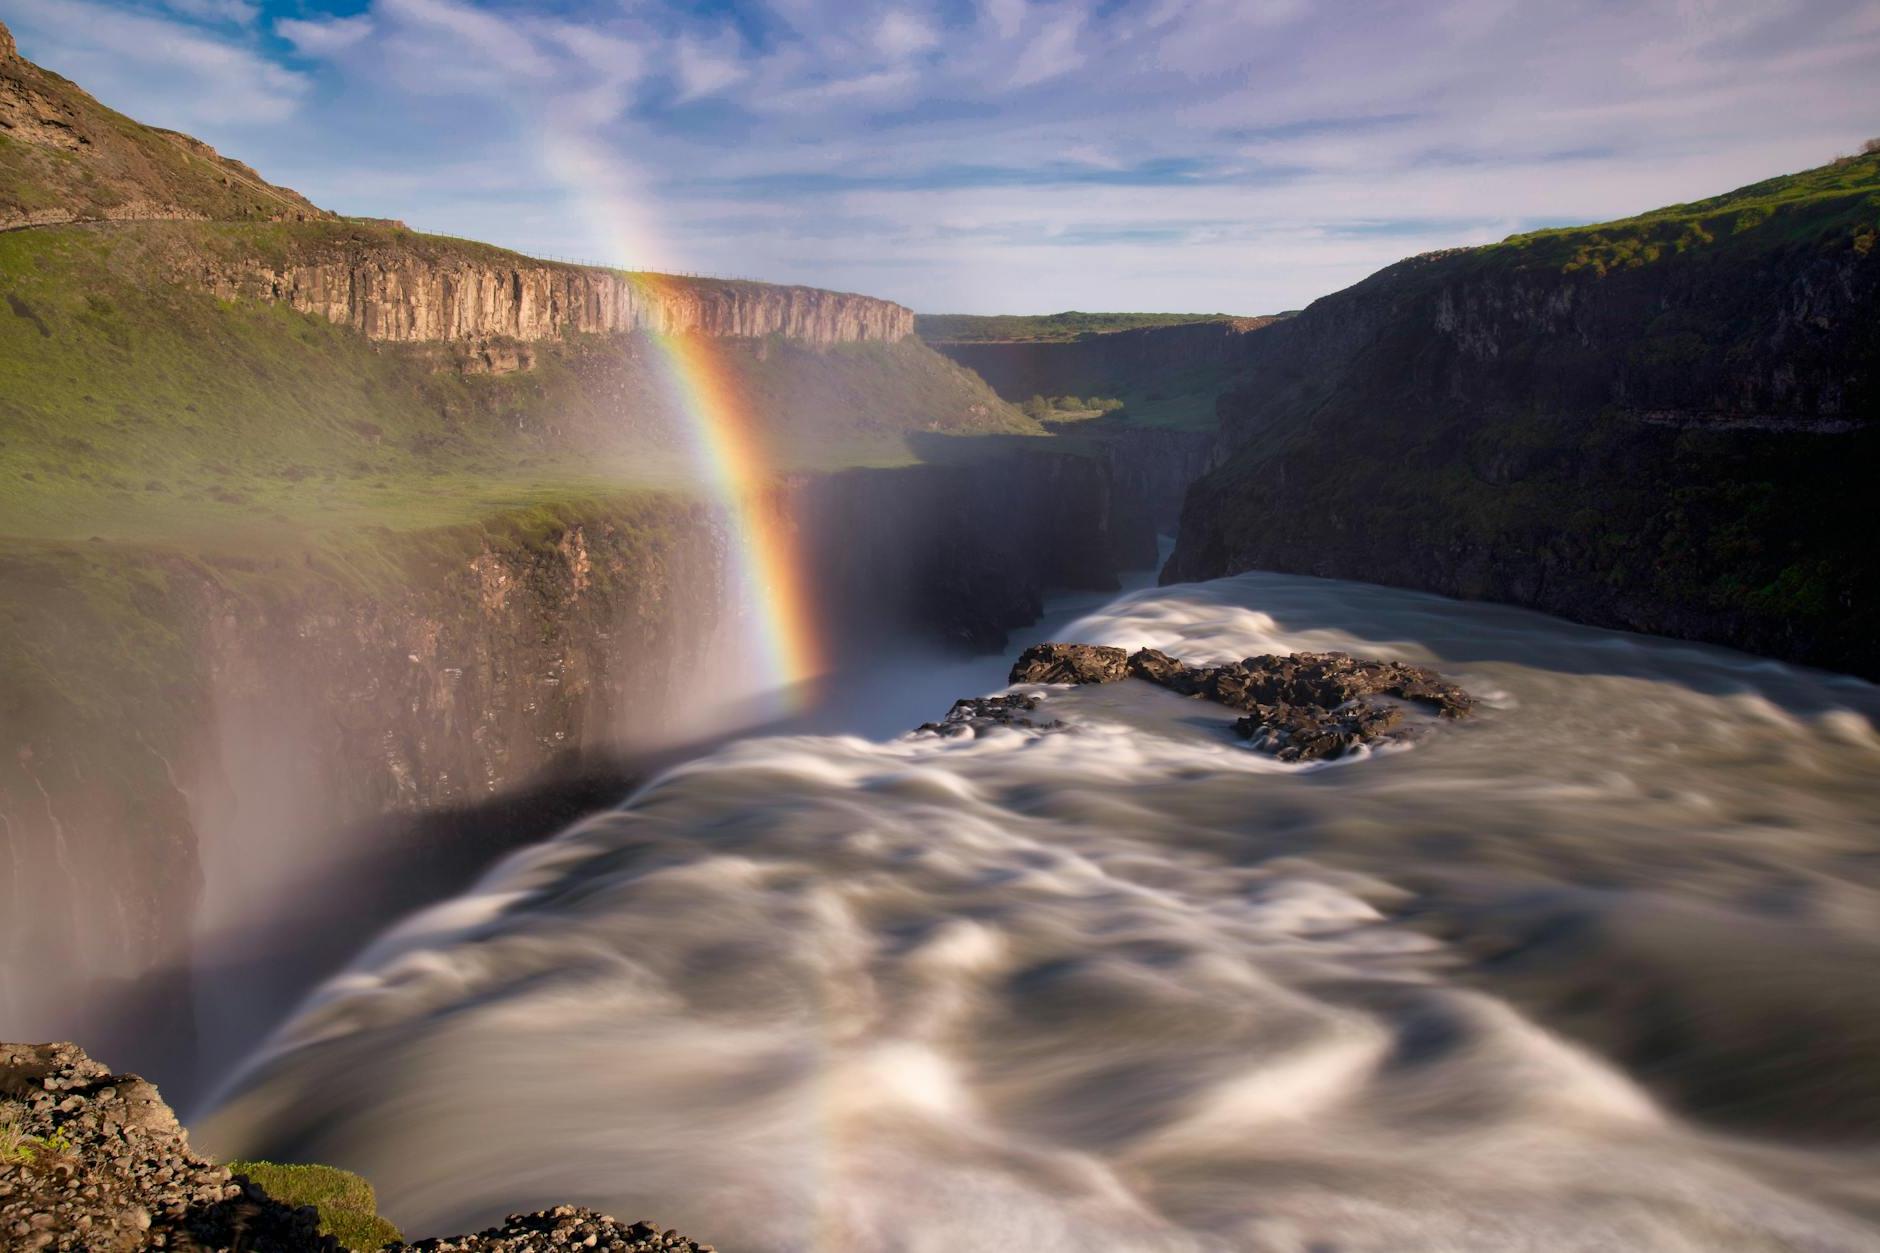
(349, 1209)
(134, 407)
(161, 449)
(1809, 208)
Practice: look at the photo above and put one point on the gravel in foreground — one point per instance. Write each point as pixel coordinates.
(95, 1162)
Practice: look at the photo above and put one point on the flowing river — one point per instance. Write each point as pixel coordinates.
(1595, 969)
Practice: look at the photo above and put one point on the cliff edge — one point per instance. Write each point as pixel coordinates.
(65, 159)
(395, 285)
(1667, 424)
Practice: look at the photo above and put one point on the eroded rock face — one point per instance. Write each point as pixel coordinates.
(1300, 706)
(72, 160)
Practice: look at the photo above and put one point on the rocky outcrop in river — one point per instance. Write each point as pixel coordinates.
(1300, 707)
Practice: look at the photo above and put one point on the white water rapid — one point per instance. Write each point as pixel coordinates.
(1592, 970)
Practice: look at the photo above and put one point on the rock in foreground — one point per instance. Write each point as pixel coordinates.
(1300, 706)
(95, 1162)
(565, 1227)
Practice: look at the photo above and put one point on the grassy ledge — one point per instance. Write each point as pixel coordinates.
(349, 1209)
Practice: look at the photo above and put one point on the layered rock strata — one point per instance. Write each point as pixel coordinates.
(396, 293)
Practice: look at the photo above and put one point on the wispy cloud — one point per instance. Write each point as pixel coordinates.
(704, 68)
(325, 37)
(993, 154)
(179, 66)
(230, 12)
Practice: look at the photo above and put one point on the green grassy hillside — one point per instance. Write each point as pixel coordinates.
(133, 407)
(1841, 199)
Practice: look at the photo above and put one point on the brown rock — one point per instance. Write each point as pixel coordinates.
(1070, 663)
(1301, 706)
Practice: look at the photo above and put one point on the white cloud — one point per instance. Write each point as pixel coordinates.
(901, 34)
(476, 38)
(324, 38)
(1007, 17)
(233, 12)
(1052, 52)
(159, 70)
(704, 69)
(1298, 148)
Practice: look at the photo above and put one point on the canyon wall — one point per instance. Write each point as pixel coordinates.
(1153, 469)
(1103, 364)
(167, 831)
(429, 291)
(1669, 427)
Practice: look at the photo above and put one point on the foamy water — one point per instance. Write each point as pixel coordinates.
(1524, 985)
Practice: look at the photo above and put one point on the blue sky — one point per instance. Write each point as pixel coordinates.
(990, 155)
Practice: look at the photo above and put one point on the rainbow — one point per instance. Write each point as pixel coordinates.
(738, 468)
(727, 441)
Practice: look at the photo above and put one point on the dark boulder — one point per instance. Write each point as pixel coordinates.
(977, 715)
(1305, 733)
(1313, 680)
(1070, 663)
